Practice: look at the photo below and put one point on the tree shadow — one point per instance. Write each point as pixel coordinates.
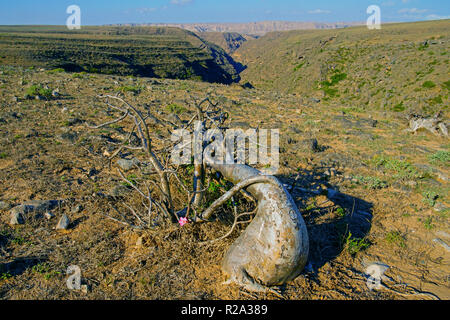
(331, 222)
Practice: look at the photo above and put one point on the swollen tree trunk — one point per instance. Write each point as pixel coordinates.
(274, 247)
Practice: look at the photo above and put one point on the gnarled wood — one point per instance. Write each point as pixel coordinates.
(274, 247)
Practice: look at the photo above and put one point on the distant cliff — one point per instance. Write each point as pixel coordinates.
(253, 28)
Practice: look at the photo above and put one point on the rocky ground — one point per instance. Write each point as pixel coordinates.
(370, 192)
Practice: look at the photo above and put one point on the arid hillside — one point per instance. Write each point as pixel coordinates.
(400, 67)
(145, 51)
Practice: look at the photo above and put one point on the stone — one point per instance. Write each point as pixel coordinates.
(69, 136)
(73, 121)
(4, 205)
(84, 288)
(140, 241)
(36, 206)
(77, 209)
(312, 145)
(48, 215)
(119, 191)
(63, 223)
(126, 164)
(295, 129)
(16, 218)
(442, 243)
(331, 172)
(442, 176)
(440, 207)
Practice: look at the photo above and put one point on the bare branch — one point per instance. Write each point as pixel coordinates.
(243, 184)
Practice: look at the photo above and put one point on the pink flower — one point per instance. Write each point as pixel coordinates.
(183, 221)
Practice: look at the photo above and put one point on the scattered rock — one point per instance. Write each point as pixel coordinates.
(92, 172)
(84, 288)
(443, 234)
(119, 191)
(440, 207)
(48, 215)
(77, 209)
(69, 136)
(411, 183)
(174, 118)
(4, 205)
(126, 164)
(295, 129)
(140, 241)
(63, 223)
(312, 145)
(73, 121)
(330, 172)
(442, 244)
(31, 133)
(435, 125)
(37, 206)
(16, 115)
(442, 176)
(16, 218)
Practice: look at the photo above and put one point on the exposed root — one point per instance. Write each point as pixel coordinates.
(243, 280)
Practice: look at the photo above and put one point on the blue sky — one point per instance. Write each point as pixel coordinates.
(98, 12)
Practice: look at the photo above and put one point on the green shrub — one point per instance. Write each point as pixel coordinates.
(175, 108)
(428, 223)
(355, 245)
(340, 212)
(435, 100)
(401, 169)
(429, 198)
(440, 157)
(330, 91)
(299, 66)
(395, 237)
(446, 85)
(38, 90)
(428, 84)
(57, 70)
(372, 182)
(5, 276)
(399, 107)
